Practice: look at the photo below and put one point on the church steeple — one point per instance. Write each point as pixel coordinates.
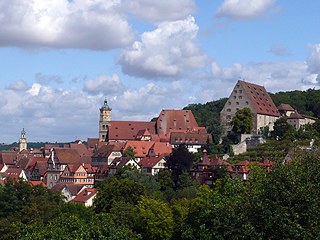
(23, 141)
(105, 119)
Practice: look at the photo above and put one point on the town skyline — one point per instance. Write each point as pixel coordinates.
(60, 61)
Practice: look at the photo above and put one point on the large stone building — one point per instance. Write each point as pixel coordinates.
(255, 97)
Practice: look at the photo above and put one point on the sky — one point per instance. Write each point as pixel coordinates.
(60, 59)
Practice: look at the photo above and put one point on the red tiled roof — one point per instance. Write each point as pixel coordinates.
(12, 172)
(68, 155)
(85, 195)
(42, 166)
(34, 160)
(189, 138)
(149, 162)
(9, 157)
(260, 99)
(141, 148)
(295, 115)
(161, 148)
(36, 183)
(285, 107)
(175, 120)
(81, 148)
(128, 130)
(92, 142)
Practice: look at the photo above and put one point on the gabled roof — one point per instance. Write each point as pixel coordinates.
(149, 162)
(128, 130)
(295, 115)
(285, 107)
(104, 151)
(119, 162)
(68, 155)
(12, 172)
(260, 99)
(175, 120)
(42, 166)
(36, 183)
(81, 148)
(189, 138)
(74, 189)
(85, 195)
(161, 148)
(141, 148)
(9, 158)
(92, 142)
(142, 133)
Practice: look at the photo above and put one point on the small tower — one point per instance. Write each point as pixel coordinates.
(105, 119)
(23, 141)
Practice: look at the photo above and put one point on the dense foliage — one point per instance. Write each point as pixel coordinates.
(281, 204)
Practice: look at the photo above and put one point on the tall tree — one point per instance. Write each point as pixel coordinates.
(180, 160)
(242, 122)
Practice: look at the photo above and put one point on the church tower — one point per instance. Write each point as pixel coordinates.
(105, 119)
(23, 141)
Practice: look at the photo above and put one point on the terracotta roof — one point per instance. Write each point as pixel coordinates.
(161, 148)
(42, 166)
(143, 132)
(189, 138)
(85, 195)
(295, 115)
(128, 130)
(306, 116)
(103, 152)
(68, 155)
(244, 163)
(175, 120)
(92, 142)
(74, 189)
(285, 107)
(119, 162)
(149, 162)
(36, 183)
(34, 160)
(260, 99)
(141, 148)
(12, 172)
(9, 158)
(81, 148)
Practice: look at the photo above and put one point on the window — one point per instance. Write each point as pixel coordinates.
(228, 110)
(228, 117)
(237, 103)
(229, 103)
(240, 97)
(235, 91)
(247, 103)
(240, 91)
(234, 97)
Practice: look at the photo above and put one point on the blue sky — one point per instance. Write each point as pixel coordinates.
(59, 59)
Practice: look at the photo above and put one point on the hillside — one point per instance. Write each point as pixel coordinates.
(305, 102)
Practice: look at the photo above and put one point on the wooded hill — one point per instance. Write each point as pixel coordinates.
(305, 102)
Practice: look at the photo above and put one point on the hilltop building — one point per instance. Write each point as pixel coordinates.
(23, 144)
(255, 97)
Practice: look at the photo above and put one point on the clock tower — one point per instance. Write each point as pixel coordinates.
(23, 141)
(105, 120)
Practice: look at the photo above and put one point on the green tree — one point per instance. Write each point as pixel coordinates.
(282, 129)
(114, 190)
(242, 122)
(129, 152)
(154, 219)
(180, 160)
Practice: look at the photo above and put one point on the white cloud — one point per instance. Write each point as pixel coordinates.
(157, 11)
(275, 76)
(92, 24)
(170, 51)
(314, 59)
(242, 9)
(104, 85)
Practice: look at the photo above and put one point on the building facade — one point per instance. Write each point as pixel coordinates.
(104, 122)
(254, 97)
